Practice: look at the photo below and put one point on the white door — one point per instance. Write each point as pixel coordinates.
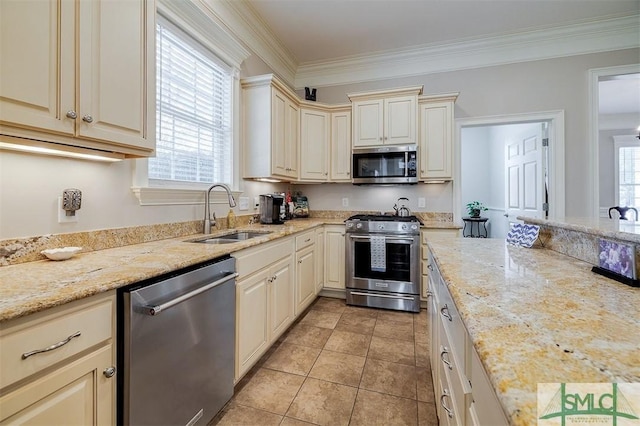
(525, 175)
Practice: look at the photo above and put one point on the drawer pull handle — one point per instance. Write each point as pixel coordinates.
(52, 347)
(430, 267)
(445, 351)
(445, 393)
(445, 312)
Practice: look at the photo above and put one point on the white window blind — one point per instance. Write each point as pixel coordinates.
(193, 111)
(629, 176)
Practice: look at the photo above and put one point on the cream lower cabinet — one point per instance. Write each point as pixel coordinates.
(72, 384)
(305, 270)
(425, 234)
(463, 392)
(264, 299)
(334, 259)
(319, 259)
(79, 73)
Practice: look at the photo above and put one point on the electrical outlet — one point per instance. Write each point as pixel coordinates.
(244, 203)
(422, 202)
(345, 202)
(62, 215)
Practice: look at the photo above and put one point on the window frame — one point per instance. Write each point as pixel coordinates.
(203, 26)
(625, 141)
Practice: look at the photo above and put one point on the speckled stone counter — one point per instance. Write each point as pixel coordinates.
(536, 316)
(34, 286)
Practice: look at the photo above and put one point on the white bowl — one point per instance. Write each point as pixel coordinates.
(61, 253)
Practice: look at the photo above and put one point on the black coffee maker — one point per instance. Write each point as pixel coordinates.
(270, 206)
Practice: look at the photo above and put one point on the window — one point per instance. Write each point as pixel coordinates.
(627, 172)
(193, 111)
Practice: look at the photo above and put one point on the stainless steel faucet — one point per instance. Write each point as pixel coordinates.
(208, 220)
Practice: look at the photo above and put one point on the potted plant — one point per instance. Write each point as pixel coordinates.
(474, 208)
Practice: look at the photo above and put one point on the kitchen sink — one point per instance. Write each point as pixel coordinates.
(231, 238)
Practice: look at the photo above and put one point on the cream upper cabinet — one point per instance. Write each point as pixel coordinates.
(436, 138)
(271, 127)
(340, 164)
(385, 118)
(80, 73)
(314, 145)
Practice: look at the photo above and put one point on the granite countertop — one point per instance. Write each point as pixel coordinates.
(536, 316)
(34, 286)
(625, 230)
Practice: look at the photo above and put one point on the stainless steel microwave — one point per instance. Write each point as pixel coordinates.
(385, 165)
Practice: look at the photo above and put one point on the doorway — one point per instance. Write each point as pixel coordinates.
(496, 167)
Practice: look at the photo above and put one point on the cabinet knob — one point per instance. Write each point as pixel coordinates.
(421, 170)
(109, 372)
(380, 137)
(348, 173)
(72, 114)
(87, 118)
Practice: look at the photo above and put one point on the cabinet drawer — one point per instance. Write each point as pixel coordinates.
(91, 320)
(253, 259)
(451, 321)
(305, 239)
(450, 359)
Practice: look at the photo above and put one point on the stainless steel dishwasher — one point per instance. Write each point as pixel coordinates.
(176, 354)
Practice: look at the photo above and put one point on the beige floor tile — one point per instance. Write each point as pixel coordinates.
(419, 336)
(397, 316)
(360, 311)
(373, 408)
(421, 320)
(356, 323)
(293, 359)
(389, 378)
(427, 415)
(394, 329)
(323, 403)
(308, 335)
(338, 368)
(328, 304)
(270, 390)
(347, 342)
(242, 415)
(424, 385)
(422, 354)
(392, 350)
(321, 319)
(290, 421)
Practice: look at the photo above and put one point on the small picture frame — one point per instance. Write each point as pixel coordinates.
(617, 257)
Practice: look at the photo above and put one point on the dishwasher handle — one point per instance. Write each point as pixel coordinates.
(154, 310)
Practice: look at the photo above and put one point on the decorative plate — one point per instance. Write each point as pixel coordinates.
(61, 253)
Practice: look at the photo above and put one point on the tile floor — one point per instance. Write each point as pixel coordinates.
(340, 365)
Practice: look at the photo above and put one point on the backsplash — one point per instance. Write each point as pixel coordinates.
(21, 250)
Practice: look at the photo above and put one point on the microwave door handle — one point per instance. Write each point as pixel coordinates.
(406, 164)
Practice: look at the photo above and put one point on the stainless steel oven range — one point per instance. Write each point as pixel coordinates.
(383, 262)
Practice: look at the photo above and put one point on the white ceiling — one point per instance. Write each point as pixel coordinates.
(619, 95)
(323, 30)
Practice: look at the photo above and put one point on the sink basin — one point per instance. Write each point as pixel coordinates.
(230, 238)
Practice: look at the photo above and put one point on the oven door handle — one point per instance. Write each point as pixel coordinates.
(385, 296)
(386, 237)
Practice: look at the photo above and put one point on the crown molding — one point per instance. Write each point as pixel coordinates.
(243, 21)
(577, 39)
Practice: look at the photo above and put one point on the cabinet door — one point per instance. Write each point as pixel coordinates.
(334, 258)
(281, 297)
(37, 70)
(77, 393)
(252, 331)
(305, 277)
(400, 120)
(436, 152)
(292, 139)
(319, 259)
(314, 145)
(115, 39)
(368, 123)
(278, 130)
(340, 147)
